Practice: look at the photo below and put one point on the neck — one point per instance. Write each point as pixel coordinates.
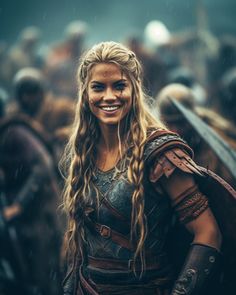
(109, 140)
(108, 148)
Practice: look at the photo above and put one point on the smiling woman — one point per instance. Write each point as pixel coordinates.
(110, 94)
(126, 171)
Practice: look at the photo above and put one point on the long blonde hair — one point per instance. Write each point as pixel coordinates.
(80, 153)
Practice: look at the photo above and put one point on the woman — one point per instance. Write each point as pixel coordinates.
(126, 174)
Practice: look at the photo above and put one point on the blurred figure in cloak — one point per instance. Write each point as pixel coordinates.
(154, 70)
(31, 192)
(63, 57)
(186, 77)
(25, 52)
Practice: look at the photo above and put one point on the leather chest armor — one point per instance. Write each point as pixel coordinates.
(114, 210)
(109, 256)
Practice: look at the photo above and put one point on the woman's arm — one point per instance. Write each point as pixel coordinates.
(204, 228)
(203, 257)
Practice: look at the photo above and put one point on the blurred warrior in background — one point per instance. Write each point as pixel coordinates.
(62, 60)
(29, 201)
(25, 52)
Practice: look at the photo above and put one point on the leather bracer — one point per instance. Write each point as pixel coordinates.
(200, 265)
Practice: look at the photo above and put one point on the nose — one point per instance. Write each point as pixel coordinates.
(109, 95)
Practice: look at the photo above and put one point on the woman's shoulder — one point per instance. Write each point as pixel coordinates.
(162, 140)
(165, 151)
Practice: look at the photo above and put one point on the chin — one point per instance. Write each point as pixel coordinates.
(110, 122)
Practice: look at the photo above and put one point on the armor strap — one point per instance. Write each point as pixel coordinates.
(106, 232)
(90, 290)
(152, 263)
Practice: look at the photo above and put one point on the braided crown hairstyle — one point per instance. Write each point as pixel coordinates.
(80, 153)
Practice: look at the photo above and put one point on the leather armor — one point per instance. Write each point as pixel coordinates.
(114, 214)
(108, 227)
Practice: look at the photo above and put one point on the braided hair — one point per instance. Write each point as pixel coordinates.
(80, 153)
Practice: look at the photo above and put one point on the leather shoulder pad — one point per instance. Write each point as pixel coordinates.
(171, 159)
(156, 146)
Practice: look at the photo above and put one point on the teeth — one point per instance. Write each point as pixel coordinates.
(111, 108)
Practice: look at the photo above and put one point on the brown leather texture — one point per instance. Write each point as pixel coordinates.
(172, 159)
(157, 287)
(167, 144)
(111, 264)
(107, 232)
(191, 207)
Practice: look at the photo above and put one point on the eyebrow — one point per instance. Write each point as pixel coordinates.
(118, 81)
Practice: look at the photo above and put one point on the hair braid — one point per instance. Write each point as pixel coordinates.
(76, 195)
(136, 174)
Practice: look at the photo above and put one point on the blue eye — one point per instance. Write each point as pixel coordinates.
(97, 87)
(120, 86)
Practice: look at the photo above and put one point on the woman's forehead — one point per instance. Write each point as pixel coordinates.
(105, 71)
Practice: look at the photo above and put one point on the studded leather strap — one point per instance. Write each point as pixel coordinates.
(161, 141)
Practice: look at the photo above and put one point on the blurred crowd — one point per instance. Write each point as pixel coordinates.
(38, 92)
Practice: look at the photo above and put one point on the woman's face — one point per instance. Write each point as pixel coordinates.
(109, 93)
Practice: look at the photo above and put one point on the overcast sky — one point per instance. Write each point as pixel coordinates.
(110, 19)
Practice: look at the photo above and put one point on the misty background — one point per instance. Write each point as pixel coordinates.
(39, 57)
(111, 19)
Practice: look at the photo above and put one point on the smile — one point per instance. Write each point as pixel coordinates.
(110, 108)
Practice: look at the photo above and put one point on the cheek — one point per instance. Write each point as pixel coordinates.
(129, 100)
(91, 105)
(89, 100)
(127, 96)
(93, 98)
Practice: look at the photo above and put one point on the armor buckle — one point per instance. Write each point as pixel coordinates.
(105, 231)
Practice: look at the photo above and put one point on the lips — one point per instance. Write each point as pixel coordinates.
(110, 108)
